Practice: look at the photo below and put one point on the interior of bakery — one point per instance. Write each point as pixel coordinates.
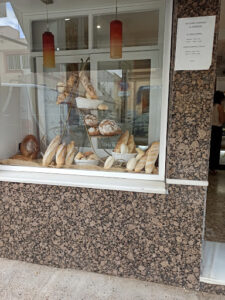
(214, 236)
(76, 104)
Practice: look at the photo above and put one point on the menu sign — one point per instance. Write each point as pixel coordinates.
(194, 45)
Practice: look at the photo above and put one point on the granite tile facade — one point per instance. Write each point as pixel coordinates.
(190, 104)
(143, 236)
(148, 237)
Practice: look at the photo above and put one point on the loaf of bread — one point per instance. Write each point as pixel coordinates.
(141, 164)
(152, 155)
(103, 107)
(131, 164)
(71, 81)
(21, 157)
(70, 153)
(51, 151)
(60, 155)
(140, 152)
(131, 144)
(29, 146)
(122, 140)
(123, 149)
(79, 156)
(61, 86)
(61, 98)
(90, 91)
(109, 162)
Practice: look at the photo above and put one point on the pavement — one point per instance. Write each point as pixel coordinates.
(20, 280)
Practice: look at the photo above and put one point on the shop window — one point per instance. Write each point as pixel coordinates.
(70, 33)
(140, 29)
(17, 62)
(89, 115)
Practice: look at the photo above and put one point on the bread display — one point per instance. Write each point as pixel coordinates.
(70, 153)
(29, 147)
(61, 155)
(109, 128)
(90, 91)
(152, 155)
(91, 120)
(51, 151)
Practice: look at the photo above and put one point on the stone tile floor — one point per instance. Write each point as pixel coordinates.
(215, 208)
(19, 280)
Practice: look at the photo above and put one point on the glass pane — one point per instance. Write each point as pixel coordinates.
(110, 109)
(139, 29)
(58, 118)
(126, 86)
(69, 33)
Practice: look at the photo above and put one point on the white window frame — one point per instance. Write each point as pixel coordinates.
(147, 183)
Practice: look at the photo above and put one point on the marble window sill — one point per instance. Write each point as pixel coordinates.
(84, 179)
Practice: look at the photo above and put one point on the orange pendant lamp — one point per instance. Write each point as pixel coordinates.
(116, 38)
(48, 47)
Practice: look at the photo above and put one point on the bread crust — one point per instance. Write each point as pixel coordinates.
(29, 147)
(61, 155)
(51, 151)
(141, 164)
(122, 140)
(152, 155)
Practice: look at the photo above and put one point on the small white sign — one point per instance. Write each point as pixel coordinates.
(194, 45)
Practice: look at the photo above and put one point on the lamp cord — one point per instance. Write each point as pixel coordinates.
(47, 17)
(116, 9)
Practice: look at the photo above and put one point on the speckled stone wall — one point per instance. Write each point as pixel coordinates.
(190, 105)
(143, 236)
(148, 237)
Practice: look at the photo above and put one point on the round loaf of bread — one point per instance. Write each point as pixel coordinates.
(91, 120)
(109, 128)
(93, 131)
(29, 146)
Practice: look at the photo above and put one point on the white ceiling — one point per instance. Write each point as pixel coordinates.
(31, 6)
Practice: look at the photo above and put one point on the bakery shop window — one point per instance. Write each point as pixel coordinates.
(70, 33)
(89, 112)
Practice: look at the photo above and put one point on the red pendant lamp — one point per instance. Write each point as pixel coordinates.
(48, 47)
(116, 38)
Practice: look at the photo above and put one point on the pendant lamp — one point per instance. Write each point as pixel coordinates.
(48, 46)
(116, 39)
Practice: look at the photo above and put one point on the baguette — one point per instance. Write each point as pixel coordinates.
(61, 98)
(123, 149)
(60, 155)
(141, 164)
(70, 146)
(131, 144)
(71, 150)
(131, 164)
(90, 91)
(122, 140)
(51, 151)
(152, 155)
(109, 162)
